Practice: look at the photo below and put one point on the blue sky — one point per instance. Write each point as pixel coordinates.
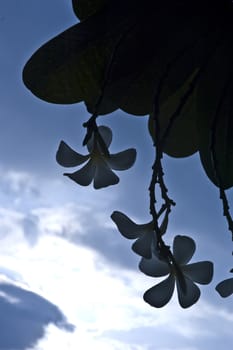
(67, 277)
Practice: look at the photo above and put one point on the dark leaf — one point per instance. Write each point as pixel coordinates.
(149, 46)
(182, 139)
(86, 8)
(71, 67)
(215, 117)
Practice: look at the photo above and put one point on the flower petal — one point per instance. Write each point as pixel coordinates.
(122, 160)
(191, 295)
(104, 176)
(127, 227)
(106, 134)
(85, 175)
(183, 249)
(154, 267)
(225, 288)
(67, 157)
(161, 294)
(200, 272)
(143, 245)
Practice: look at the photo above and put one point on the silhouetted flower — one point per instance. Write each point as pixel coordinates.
(225, 288)
(144, 233)
(200, 272)
(100, 163)
(146, 241)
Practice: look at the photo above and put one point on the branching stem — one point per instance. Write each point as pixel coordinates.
(91, 123)
(157, 169)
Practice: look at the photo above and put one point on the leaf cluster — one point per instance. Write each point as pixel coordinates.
(169, 60)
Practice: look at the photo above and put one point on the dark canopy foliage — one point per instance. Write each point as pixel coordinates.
(171, 60)
(131, 49)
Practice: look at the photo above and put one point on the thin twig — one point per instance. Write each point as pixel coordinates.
(91, 123)
(157, 177)
(157, 174)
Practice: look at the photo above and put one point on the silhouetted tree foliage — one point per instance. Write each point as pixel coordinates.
(166, 59)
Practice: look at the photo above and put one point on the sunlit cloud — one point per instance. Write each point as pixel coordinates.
(25, 315)
(54, 251)
(98, 298)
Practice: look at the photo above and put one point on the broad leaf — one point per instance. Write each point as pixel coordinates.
(145, 52)
(124, 46)
(182, 139)
(86, 8)
(70, 68)
(215, 117)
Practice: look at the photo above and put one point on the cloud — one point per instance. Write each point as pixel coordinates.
(16, 227)
(24, 316)
(100, 297)
(30, 228)
(87, 226)
(69, 252)
(56, 339)
(105, 302)
(18, 184)
(88, 223)
(10, 228)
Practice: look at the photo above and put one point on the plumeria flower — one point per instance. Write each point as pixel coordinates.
(225, 288)
(99, 162)
(182, 275)
(146, 240)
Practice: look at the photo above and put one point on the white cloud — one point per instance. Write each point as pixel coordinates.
(25, 314)
(18, 188)
(56, 339)
(103, 300)
(18, 182)
(65, 220)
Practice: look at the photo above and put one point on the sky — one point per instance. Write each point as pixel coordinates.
(68, 279)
